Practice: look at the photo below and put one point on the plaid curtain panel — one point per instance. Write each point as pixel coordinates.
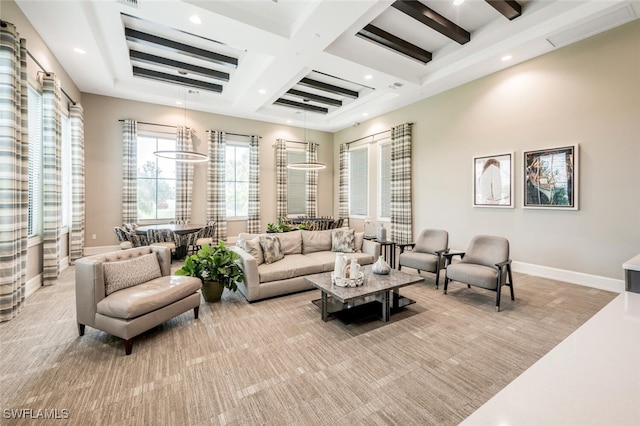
(401, 221)
(184, 175)
(312, 181)
(343, 190)
(216, 184)
(76, 243)
(253, 221)
(51, 177)
(14, 180)
(129, 171)
(281, 178)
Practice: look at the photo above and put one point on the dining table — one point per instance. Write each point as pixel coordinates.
(177, 228)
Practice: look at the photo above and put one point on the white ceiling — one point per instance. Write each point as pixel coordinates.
(279, 42)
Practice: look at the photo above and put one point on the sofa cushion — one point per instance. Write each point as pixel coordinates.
(328, 259)
(291, 242)
(251, 246)
(131, 272)
(313, 241)
(358, 239)
(342, 240)
(147, 297)
(293, 265)
(271, 248)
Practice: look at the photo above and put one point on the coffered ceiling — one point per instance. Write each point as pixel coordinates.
(340, 61)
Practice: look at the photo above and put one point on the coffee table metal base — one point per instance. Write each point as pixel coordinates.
(380, 305)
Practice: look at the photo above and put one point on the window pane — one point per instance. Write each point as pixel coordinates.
(385, 181)
(35, 161)
(296, 185)
(358, 185)
(237, 178)
(156, 179)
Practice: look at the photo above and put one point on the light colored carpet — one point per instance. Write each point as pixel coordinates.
(275, 362)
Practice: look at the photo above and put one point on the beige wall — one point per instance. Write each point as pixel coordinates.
(587, 94)
(103, 156)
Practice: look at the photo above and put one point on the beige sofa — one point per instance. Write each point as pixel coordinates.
(305, 252)
(131, 291)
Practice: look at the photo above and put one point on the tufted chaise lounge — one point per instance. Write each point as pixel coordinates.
(128, 292)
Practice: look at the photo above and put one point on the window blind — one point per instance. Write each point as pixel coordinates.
(358, 185)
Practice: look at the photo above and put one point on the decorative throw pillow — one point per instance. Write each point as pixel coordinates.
(342, 240)
(271, 248)
(252, 246)
(358, 241)
(130, 272)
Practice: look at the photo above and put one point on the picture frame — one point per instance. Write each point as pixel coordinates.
(493, 181)
(550, 178)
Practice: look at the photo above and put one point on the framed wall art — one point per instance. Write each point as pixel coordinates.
(551, 178)
(493, 181)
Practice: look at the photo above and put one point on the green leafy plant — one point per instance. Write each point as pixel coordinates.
(216, 263)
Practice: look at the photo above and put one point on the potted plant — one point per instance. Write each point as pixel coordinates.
(217, 267)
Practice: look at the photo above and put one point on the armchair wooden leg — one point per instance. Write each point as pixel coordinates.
(128, 346)
(446, 283)
(510, 281)
(196, 311)
(81, 329)
(437, 277)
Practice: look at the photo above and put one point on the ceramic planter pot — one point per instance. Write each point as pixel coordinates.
(212, 291)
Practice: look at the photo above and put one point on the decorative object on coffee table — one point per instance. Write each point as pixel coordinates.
(217, 267)
(380, 267)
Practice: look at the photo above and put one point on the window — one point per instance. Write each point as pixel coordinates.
(35, 162)
(156, 177)
(358, 182)
(237, 179)
(66, 171)
(384, 181)
(296, 184)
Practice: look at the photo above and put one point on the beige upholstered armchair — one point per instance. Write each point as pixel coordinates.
(427, 253)
(485, 264)
(127, 292)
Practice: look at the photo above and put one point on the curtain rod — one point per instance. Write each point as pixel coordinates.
(235, 134)
(151, 124)
(48, 74)
(370, 136)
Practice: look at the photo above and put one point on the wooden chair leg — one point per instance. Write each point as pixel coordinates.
(128, 346)
(81, 329)
(510, 281)
(196, 311)
(437, 277)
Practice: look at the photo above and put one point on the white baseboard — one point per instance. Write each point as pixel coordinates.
(33, 285)
(90, 251)
(602, 283)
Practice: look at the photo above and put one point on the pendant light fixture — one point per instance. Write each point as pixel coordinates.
(183, 156)
(307, 165)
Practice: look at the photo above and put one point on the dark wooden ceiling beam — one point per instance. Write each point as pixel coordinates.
(326, 87)
(388, 40)
(179, 66)
(176, 79)
(136, 36)
(433, 20)
(299, 105)
(313, 97)
(509, 8)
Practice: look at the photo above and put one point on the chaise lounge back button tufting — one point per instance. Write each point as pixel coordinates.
(128, 292)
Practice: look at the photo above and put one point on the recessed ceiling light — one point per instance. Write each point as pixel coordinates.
(457, 2)
(78, 50)
(365, 114)
(262, 91)
(368, 77)
(289, 121)
(178, 102)
(506, 58)
(195, 19)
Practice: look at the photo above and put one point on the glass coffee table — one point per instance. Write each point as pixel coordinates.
(378, 296)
